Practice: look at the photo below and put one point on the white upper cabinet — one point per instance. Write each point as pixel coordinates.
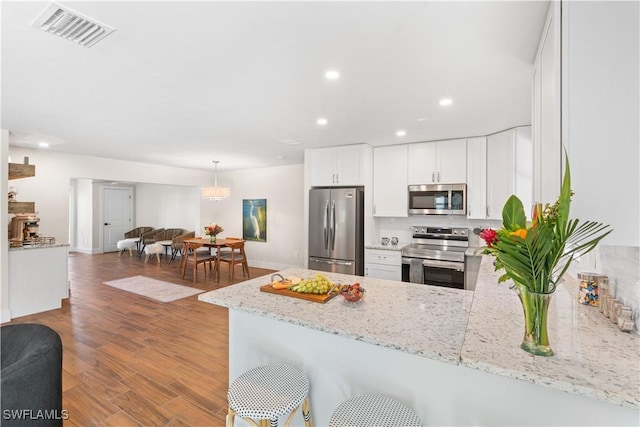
(439, 162)
(390, 181)
(336, 166)
(421, 167)
(477, 177)
(509, 169)
(547, 148)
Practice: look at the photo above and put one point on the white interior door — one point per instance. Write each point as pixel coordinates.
(117, 215)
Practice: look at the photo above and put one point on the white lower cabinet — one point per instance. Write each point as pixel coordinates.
(383, 264)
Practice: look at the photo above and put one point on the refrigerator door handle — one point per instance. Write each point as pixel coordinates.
(326, 225)
(330, 261)
(333, 225)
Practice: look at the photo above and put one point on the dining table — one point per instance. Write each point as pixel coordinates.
(218, 243)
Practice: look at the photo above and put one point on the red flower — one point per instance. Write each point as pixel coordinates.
(489, 236)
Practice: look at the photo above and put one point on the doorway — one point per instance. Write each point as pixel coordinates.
(117, 215)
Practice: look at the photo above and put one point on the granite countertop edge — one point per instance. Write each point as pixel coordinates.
(45, 246)
(388, 247)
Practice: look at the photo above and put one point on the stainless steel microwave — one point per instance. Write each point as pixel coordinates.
(438, 199)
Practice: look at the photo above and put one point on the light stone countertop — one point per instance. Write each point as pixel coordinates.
(388, 247)
(592, 357)
(480, 330)
(414, 307)
(43, 246)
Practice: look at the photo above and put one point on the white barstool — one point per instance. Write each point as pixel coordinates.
(374, 410)
(125, 244)
(263, 394)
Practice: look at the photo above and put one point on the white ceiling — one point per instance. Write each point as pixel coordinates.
(185, 83)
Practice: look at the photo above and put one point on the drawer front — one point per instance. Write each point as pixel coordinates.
(378, 256)
(381, 271)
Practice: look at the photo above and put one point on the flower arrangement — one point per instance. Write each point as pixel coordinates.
(213, 229)
(538, 254)
(535, 256)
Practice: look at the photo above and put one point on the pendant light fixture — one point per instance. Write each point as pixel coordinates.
(215, 192)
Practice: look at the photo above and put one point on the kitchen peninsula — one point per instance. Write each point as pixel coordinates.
(38, 278)
(452, 355)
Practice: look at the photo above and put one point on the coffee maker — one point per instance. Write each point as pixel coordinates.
(24, 226)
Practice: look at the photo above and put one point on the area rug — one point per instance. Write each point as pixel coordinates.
(152, 288)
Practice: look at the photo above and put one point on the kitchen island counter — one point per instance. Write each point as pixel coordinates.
(451, 355)
(415, 308)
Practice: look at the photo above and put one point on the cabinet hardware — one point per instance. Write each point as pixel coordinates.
(438, 176)
(433, 177)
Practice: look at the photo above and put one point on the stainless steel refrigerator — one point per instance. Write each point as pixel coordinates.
(336, 230)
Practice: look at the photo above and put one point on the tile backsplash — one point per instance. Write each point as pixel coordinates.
(621, 264)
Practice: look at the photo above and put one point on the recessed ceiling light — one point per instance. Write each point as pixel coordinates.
(401, 133)
(322, 121)
(332, 74)
(422, 119)
(446, 101)
(43, 144)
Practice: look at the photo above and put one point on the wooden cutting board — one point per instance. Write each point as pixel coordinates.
(321, 298)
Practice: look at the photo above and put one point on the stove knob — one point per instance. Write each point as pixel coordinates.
(455, 231)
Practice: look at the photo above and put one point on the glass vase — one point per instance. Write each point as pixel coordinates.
(536, 307)
(212, 238)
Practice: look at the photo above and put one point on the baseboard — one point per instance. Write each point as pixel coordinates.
(88, 251)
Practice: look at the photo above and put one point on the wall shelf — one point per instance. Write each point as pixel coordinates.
(22, 207)
(18, 170)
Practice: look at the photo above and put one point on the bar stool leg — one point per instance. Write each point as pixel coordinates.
(231, 415)
(306, 412)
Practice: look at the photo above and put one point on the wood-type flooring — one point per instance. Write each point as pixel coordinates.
(133, 361)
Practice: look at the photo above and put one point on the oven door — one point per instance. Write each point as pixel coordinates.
(434, 272)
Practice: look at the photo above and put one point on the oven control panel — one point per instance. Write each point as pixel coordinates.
(419, 231)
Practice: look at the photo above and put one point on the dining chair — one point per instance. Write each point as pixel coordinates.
(235, 255)
(191, 254)
(177, 243)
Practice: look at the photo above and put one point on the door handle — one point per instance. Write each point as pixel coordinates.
(333, 225)
(107, 223)
(326, 225)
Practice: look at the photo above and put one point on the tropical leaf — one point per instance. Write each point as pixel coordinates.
(513, 216)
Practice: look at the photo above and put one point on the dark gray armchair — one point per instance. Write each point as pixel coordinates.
(31, 376)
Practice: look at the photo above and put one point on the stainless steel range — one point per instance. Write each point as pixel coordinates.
(436, 256)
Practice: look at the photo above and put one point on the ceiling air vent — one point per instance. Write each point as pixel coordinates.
(70, 25)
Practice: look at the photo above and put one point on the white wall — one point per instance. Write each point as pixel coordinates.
(283, 188)
(5, 312)
(84, 216)
(600, 114)
(167, 206)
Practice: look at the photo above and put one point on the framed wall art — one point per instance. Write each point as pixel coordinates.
(254, 219)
